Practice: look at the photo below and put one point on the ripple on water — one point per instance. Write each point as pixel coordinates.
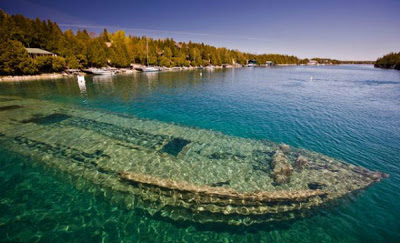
(348, 112)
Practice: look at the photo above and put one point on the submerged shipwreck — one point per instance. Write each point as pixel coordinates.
(174, 171)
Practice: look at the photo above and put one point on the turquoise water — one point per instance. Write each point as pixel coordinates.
(347, 112)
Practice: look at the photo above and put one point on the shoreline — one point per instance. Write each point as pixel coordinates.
(162, 69)
(34, 77)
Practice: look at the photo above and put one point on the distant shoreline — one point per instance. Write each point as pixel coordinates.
(63, 74)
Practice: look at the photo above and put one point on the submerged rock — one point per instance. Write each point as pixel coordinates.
(281, 169)
(284, 147)
(301, 163)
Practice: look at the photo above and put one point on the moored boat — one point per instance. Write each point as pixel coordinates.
(101, 72)
(147, 69)
(98, 71)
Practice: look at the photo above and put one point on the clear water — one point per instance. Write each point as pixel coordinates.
(347, 112)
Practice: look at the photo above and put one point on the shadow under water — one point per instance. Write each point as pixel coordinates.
(176, 172)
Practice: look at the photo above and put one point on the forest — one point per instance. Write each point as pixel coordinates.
(82, 49)
(389, 61)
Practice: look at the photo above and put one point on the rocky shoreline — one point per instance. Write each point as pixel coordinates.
(34, 77)
(71, 73)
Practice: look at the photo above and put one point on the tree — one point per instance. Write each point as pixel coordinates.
(72, 62)
(164, 62)
(82, 49)
(96, 53)
(14, 59)
(57, 64)
(195, 57)
(44, 64)
(225, 56)
(47, 64)
(391, 60)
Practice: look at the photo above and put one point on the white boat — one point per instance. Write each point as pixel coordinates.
(101, 72)
(147, 68)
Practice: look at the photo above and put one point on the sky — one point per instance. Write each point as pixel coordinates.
(345, 30)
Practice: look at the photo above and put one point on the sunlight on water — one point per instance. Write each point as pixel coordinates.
(80, 139)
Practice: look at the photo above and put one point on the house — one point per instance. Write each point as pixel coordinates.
(36, 52)
(179, 45)
(251, 63)
(312, 63)
(269, 64)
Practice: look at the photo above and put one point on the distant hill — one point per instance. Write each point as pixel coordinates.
(390, 61)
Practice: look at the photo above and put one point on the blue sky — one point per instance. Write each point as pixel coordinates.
(346, 30)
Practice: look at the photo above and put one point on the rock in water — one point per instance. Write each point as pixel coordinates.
(284, 147)
(301, 162)
(281, 169)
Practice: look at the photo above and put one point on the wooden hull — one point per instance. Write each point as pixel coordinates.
(174, 171)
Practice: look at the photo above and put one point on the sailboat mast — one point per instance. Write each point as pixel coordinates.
(147, 53)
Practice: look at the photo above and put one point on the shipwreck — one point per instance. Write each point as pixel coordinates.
(174, 171)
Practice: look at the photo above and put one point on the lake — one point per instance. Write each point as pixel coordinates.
(348, 112)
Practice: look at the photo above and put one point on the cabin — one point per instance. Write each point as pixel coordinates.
(269, 63)
(312, 63)
(251, 63)
(178, 45)
(37, 52)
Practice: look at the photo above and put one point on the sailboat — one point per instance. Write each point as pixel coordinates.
(147, 68)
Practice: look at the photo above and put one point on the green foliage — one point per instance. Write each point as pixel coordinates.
(96, 53)
(58, 64)
(391, 60)
(14, 59)
(164, 61)
(44, 64)
(48, 64)
(72, 62)
(325, 60)
(82, 50)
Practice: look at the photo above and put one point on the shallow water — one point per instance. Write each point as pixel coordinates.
(347, 112)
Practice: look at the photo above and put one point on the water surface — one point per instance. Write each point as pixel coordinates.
(348, 112)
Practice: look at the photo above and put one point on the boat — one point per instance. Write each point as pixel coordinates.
(147, 68)
(98, 71)
(251, 63)
(101, 72)
(177, 172)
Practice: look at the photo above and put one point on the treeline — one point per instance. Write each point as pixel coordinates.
(335, 61)
(326, 60)
(83, 49)
(357, 62)
(391, 60)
